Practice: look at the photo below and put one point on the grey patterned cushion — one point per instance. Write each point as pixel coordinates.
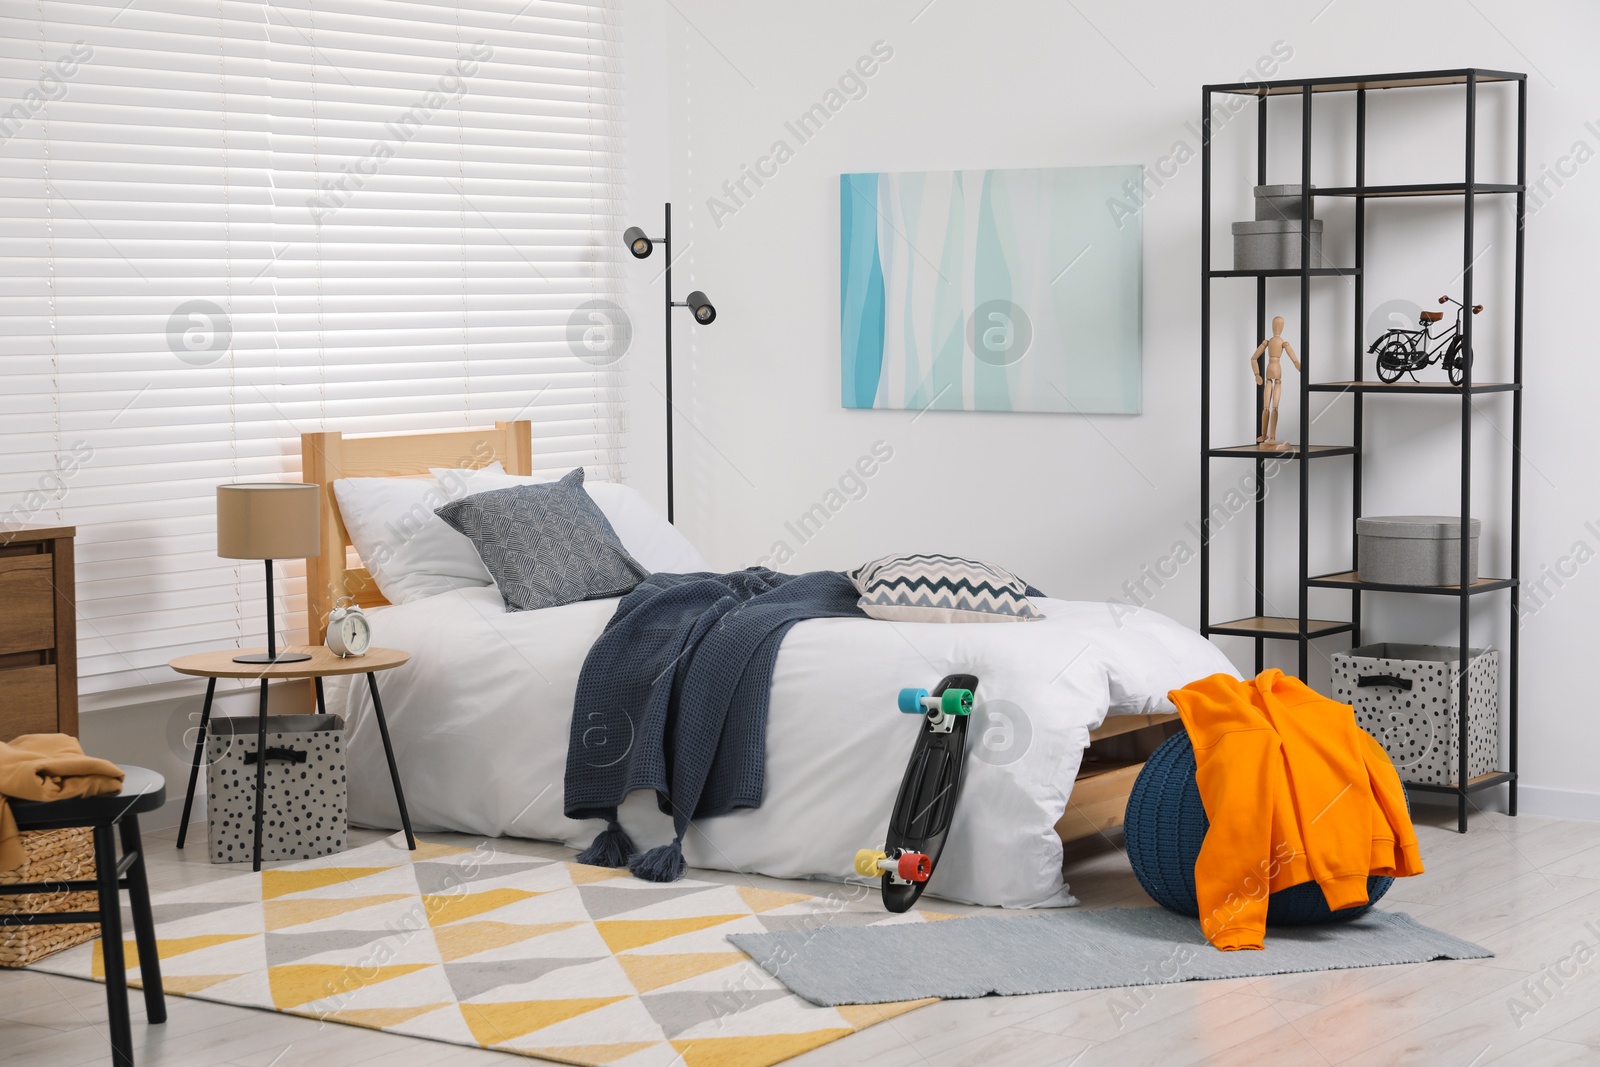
(930, 587)
(545, 545)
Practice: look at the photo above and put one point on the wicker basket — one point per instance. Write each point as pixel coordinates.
(52, 855)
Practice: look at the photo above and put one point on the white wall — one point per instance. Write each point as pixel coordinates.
(1079, 505)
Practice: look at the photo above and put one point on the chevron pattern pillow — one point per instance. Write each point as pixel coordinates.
(545, 545)
(927, 587)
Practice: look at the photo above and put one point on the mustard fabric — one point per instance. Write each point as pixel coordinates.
(46, 767)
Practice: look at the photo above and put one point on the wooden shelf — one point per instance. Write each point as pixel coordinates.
(1482, 781)
(1410, 388)
(1292, 452)
(1316, 272)
(1352, 580)
(1428, 189)
(1274, 626)
(1416, 80)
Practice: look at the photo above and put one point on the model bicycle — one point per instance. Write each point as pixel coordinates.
(1402, 351)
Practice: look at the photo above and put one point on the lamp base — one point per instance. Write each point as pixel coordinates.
(281, 657)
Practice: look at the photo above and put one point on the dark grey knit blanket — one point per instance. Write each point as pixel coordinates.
(673, 697)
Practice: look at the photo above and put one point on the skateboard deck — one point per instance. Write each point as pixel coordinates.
(920, 820)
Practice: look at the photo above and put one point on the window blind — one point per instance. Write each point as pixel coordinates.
(228, 222)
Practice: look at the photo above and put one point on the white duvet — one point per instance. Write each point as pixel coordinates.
(480, 720)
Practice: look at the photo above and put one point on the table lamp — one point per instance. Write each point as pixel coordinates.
(268, 521)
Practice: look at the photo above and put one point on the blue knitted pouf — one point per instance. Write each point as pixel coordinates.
(1165, 826)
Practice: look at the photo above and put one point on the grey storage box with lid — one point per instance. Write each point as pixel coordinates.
(1274, 240)
(1423, 550)
(1275, 203)
(1274, 244)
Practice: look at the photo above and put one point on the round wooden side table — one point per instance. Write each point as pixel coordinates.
(322, 664)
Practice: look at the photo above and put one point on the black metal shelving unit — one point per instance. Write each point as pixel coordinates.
(1300, 627)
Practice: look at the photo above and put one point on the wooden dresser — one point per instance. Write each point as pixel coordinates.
(38, 632)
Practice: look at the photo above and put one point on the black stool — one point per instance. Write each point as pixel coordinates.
(142, 790)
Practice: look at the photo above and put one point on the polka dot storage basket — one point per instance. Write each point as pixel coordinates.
(1166, 824)
(1407, 697)
(306, 796)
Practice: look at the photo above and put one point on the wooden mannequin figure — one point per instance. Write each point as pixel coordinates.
(1275, 347)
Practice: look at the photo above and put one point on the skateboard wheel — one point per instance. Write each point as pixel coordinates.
(867, 862)
(911, 701)
(956, 702)
(915, 867)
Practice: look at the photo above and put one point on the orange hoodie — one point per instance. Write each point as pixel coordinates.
(1295, 792)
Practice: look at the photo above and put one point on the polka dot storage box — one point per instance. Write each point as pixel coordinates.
(305, 807)
(1407, 697)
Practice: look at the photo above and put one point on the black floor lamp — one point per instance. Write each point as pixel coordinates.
(641, 246)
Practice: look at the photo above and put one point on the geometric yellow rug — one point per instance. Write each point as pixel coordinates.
(485, 947)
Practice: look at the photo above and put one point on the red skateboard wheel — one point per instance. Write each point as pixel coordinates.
(915, 867)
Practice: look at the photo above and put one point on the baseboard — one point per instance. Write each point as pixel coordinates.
(1558, 803)
(1531, 800)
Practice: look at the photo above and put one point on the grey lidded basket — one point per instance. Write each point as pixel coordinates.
(1275, 203)
(1274, 244)
(1415, 549)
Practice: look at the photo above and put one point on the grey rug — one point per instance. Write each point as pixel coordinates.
(1064, 951)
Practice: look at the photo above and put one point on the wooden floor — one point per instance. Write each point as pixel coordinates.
(1528, 888)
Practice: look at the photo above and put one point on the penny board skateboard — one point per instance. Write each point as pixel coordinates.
(921, 817)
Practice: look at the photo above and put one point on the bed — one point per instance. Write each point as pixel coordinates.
(1069, 705)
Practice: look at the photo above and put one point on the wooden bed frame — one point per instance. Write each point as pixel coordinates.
(327, 457)
(1111, 763)
(1117, 749)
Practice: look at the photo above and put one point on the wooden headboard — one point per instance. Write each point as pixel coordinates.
(327, 457)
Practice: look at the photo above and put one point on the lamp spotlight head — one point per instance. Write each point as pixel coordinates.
(703, 312)
(640, 245)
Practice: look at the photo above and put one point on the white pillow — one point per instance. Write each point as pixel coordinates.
(410, 551)
(648, 537)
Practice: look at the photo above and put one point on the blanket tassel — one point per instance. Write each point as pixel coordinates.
(611, 848)
(661, 864)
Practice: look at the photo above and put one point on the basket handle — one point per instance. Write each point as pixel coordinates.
(287, 755)
(1367, 681)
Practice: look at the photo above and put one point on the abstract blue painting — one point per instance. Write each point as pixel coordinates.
(993, 290)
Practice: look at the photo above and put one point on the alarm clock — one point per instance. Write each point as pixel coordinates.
(349, 633)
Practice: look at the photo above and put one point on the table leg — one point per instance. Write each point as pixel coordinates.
(199, 756)
(261, 773)
(394, 771)
(322, 705)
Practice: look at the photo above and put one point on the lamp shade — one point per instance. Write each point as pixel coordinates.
(268, 520)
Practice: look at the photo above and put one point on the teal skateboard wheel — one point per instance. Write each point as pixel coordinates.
(911, 701)
(956, 702)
